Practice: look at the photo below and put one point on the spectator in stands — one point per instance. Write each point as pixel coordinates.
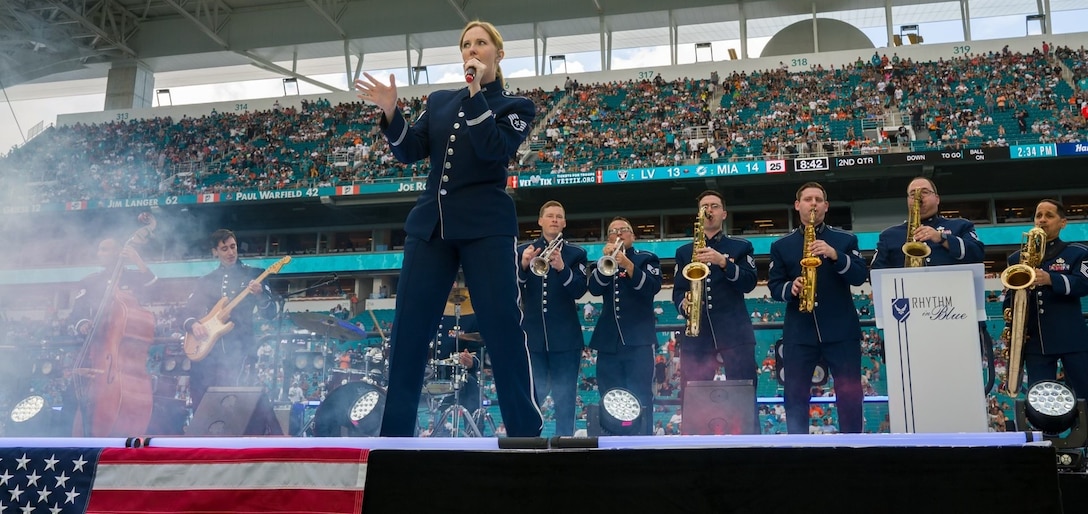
(1055, 328)
(464, 219)
(625, 340)
(550, 318)
(228, 356)
(839, 335)
(726, 337)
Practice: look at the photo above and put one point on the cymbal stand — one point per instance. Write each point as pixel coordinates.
(457, 413)
(481, 416)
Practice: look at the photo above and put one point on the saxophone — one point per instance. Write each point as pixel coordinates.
(914, 251)
(696, 273)
(1018, 278)
(809, 263)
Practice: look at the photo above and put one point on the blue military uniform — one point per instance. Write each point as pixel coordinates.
(553, 329)
(832, 330)
(464, 218)
(1054, 326)
(224, 364)
(964, 246)
(725, 326)
(625, 335)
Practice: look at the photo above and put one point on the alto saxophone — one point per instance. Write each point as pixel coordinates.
(914, 251)
(809, 263)
(696, 273)
(1018, 278)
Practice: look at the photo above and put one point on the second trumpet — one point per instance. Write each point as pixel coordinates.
(607, 264)
(543, 262)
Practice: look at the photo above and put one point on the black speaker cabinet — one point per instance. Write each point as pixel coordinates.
(718, 407)
(230, 411)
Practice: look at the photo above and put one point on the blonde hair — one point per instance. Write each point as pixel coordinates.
(496, 39)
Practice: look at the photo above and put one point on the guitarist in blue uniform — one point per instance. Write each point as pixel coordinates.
(225, 362)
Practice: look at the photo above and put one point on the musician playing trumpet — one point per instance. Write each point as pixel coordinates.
(552, 277)
(625, 339)
(1054, 327)
(726, 338)
(831, 331)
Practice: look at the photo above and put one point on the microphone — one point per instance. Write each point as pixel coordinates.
(470, 74)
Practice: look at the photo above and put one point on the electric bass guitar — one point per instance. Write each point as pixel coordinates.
(217, 321)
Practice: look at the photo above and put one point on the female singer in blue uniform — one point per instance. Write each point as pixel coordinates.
(464, 219)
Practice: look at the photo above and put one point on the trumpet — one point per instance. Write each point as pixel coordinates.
(607, 264)
(542, 263)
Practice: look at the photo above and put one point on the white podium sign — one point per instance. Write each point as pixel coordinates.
(931, 343)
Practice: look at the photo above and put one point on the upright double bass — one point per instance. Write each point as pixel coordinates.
(112, 385)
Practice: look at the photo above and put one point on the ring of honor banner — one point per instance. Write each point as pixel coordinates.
(931, 343)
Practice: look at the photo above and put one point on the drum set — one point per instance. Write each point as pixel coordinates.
(336, 368)
(452, 393)
(452, 378)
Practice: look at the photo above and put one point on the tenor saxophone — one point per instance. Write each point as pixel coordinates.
(809, 263)
(914, 251)
(1018, 279)
(696, 273)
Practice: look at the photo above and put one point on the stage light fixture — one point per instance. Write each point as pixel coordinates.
(1052, 408)
(32, 416)
(354, 409)
(621, 412)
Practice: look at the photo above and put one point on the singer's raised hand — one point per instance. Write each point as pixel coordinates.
(373, 91)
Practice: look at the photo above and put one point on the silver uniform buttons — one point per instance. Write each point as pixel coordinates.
(445, 178)
(448, 165)
(453, 137)
(456, 126)
(442, 192)
(460, 114)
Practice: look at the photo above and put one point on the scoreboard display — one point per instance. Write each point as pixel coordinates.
(844, 162)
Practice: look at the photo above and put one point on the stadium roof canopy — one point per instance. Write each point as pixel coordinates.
(61, 40)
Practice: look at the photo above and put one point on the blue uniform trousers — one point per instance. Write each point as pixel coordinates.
(1045, 367)
(630, 368)
(429, 270)
(844, 362)
(557, 372)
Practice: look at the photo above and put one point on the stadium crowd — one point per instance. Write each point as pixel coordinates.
(876, 105)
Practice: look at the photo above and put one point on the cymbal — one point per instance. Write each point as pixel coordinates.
(328, 326)
(470, 336)
(451, 308)
(458, 295)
